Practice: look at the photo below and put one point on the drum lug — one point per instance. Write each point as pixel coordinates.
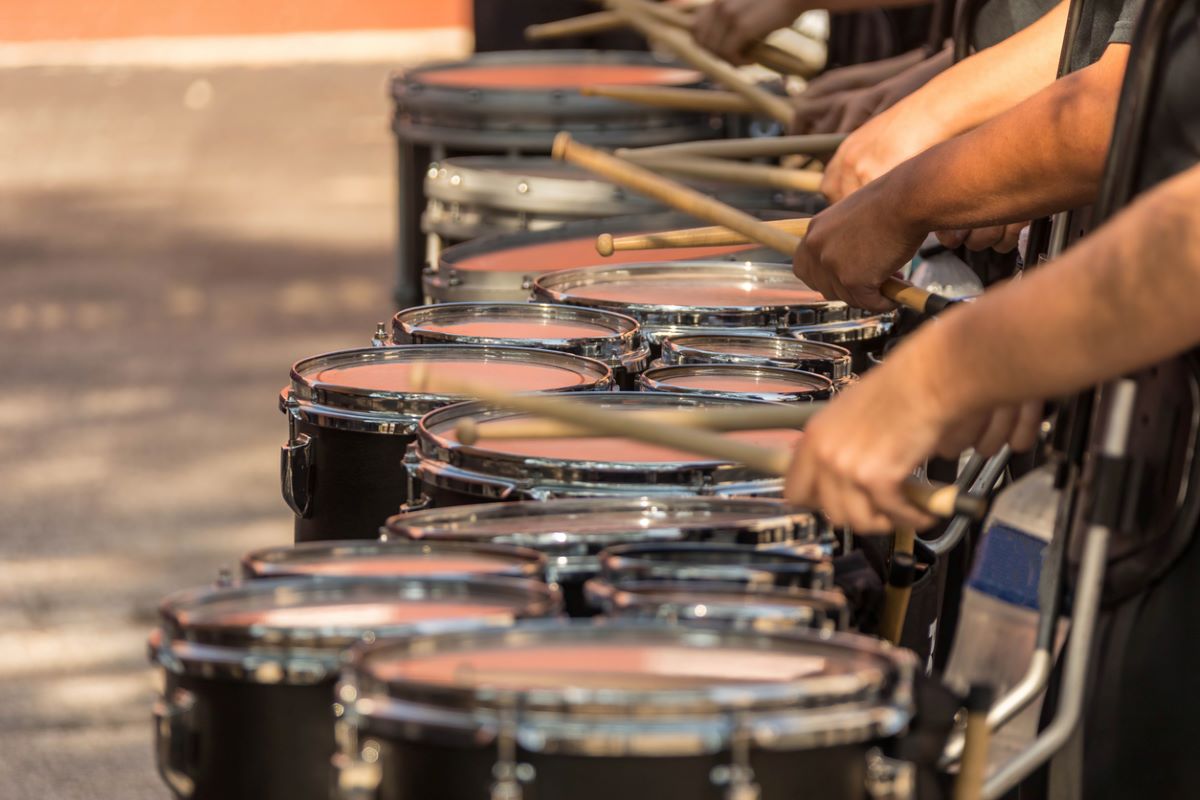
(296, 463)
(889, 779)
(511, 776)
(358, 776)
(175, 740)
(381, 338)
(737, 776)
(420, 504)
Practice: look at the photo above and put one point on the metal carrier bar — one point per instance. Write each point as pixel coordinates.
(1102, 518)
(981, 480)
(1041, 663)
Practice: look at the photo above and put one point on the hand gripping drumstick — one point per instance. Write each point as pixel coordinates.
(761, 52)
(708, 100)
(710, 236)
(939, 500)
(723, 420)
(690, 201)
(680, 43)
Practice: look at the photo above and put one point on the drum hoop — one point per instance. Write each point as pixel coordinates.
(306, 654)
(394, 412)
(435, 451)
(559, 287)
(523, 562)
(790, 353)
(782, 524)
(499, 185)
(620, 345)
(811, 710)
(658, 379)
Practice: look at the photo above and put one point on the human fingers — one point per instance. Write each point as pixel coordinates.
(998, 431)
(1028, 426)
(952, 239)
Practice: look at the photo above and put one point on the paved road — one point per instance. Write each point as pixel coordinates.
(169, 243)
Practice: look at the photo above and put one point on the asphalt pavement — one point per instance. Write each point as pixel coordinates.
(170, 242)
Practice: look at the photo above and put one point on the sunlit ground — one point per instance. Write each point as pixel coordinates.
(170, 242)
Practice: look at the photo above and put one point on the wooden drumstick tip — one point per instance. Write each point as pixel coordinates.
(467, 431)
(604, 244)
(562, 141)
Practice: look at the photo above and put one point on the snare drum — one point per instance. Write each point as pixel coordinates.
(694, 296)
(375, 558)
(501, 267)
(760, 608)
(515, 103)
(352, 413)
(572, 532)
(864, 337)
(749, 381)
(831, 360)
(806, 567)
(480, 195)
(628, 709)
(247, 709)
(605, 336)
(451, 473)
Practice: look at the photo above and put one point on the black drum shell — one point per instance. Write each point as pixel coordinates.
(429, 771)
(358, 481)
(259, 741)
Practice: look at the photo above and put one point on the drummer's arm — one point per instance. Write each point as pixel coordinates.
(958, 99)
(1045, 155)
(1121, 299)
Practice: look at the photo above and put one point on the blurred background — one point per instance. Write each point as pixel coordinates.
(192, 196)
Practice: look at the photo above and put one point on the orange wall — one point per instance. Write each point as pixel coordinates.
(29, 20)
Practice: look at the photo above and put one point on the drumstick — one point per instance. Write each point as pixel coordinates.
(734, 172)
(972, 768)
(583, 25)
(681, 44)
(904, 541)
(710, 236)
(708, 100)
(748, 418)
(692, 202)
(895, 598)
(820, 144)
(940, 500)
(598, 22)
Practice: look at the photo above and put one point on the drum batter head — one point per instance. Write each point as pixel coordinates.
(641, 688)
(694, 293)
(296, 628)
(373, 388)
(754, 382)
(831, 360)
(587, 526)
(370, 557)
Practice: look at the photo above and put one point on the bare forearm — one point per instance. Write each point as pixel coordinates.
(1121, 299)
(991, 81)
(1045, 155)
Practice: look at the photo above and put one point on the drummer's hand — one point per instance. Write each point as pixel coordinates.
(835, 113)
(1001, 238)
(854, 245)
(875, 148)
(728, 27)
(856, 454)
